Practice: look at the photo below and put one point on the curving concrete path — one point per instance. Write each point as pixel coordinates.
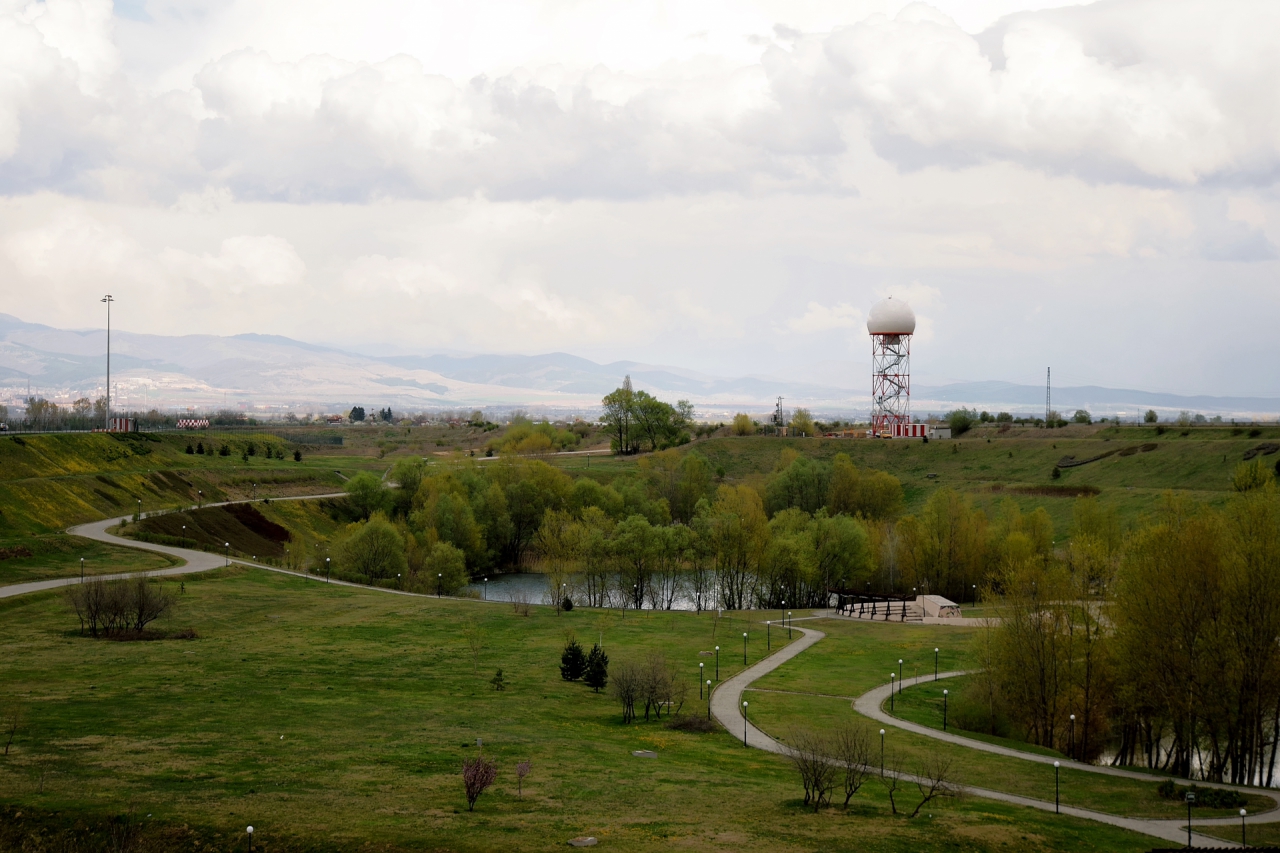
(726, 706)
(195, 561)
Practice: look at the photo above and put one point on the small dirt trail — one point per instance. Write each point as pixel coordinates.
(726, 706)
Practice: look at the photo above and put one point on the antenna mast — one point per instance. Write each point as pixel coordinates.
(1048, 373)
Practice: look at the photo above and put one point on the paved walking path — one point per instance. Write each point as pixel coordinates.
(726, 706)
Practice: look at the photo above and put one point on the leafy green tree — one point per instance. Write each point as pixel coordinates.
(802, 423)
(961, 420)
(843, 553)
(1150, 417)
(224, 450)
(573, 662)
(597, 674)
(297, 456)
(445, 569)
(1251, 475)
(374, 549)
(190, 450)
(743, 425)
(1082, 417)
(366, 494)
(356, 414)
(802, 484)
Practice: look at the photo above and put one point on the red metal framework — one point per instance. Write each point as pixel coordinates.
(890, 382)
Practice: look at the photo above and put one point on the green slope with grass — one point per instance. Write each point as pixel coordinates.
(337, 719)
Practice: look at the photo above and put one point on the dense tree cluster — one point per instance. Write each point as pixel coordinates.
(1160, 641)
(636, 420)
(672, 531)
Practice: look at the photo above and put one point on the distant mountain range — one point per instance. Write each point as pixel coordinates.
(274, 373)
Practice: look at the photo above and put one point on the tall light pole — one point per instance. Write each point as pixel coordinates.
(717, 663)
(82, 570)
(701, 672)
(1057, 809)
(1071, 747)
(744, 648)
(944, 710)
(892, 675)
(882, 752)
(904, 675)
(486, 589)
(788, 623)
(744, 723)
(935, 664)
(1243, 842)
(227, 547)
(106, 418)
(250, 833)
(768, 636)
(708, 698)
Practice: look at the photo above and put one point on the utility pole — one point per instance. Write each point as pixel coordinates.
(1048, 373)
(106, 420)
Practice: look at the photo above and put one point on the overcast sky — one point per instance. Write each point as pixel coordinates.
(724, 186)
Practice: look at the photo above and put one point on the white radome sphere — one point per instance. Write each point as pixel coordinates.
(891, 316)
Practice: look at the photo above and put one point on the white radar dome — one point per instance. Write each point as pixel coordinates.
(891, 316)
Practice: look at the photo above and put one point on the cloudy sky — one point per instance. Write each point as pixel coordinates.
(725, 186)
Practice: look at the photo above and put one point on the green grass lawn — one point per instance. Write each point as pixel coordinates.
(59, 555)
(331, 718)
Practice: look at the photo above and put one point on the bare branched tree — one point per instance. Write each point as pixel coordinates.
(851, 748)
(934, 780)
(810, 753)
(891, 778)
(522, 770)
(626, 686)
(475, 635)
(11, 720)
(477, 775)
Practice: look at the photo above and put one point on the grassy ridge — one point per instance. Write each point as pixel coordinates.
(332, 717)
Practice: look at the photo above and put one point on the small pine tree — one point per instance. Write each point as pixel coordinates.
(244, 456)
(297, 456)
(573, 663)
(597, 674)
(200, 448)
(190, 450)
(252, 449)
(498, 682)
(224, 450)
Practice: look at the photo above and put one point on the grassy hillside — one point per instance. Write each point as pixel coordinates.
(338, 719)
(50, 482)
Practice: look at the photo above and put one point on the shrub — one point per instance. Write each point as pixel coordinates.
(567, 604)
(477, 775)
(573, 663)
(743, 425)
(297, 456)
(111, 607)
(1057, 472)
(445, 569)
(190, 450)
(1209, 798)
(960, 420)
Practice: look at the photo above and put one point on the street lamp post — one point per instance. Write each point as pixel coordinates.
(199, 499)
(882, 752)
(708, 698)
(486, 589)
(1057, 809)
(788, 623)
(226, 548)
(717, 664)
(106, 418)
(744, 723)
(184, 533)
(250, 833)
(701, 672)
(1191, 799)
(439, 583)
(768, 636)
(892, 675)
(904, 675)
(935, 664)
(1243, 841)
(973, 599)
(326, 569)
(944, 710)
(82, 570)
(744, 648)
(1071, 744)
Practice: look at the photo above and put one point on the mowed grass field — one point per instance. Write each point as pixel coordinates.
(334, 718)
(815, 690)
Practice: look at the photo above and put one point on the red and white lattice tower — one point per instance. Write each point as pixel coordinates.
(891, 324)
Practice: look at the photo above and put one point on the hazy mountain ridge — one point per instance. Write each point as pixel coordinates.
(257, 370)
